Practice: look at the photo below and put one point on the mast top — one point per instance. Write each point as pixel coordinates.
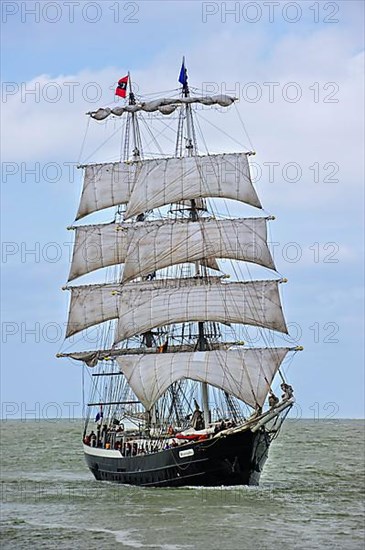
(183, 79)
(131, 96)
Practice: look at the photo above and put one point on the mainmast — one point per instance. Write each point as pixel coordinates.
(137, 142)
(191, 147)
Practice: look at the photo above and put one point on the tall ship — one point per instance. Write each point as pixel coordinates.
(182, 380)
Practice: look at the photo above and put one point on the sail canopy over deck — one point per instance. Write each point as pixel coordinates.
(244, 373)
(146, 247)
(152, 183)
(139, 307)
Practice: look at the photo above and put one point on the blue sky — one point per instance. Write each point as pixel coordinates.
(319, 55)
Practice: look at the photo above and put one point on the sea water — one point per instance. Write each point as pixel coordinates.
(311, 496)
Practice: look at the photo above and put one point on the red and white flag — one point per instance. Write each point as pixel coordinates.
(121, 89)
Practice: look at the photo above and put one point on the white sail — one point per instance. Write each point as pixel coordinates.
(165, 181)
(103, 245)
(253, 303)
(153, 183)
(244, 373)
(91, 305)
(146, 247)
(161, 244)
(139, 307)
(106, 185)
(98, 246)
(165, 106)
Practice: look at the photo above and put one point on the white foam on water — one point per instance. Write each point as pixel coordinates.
(254, 488)
(123, 537)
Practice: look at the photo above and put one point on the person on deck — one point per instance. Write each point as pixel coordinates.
(287, 391)
(197, 420)
(273, 400)
(258, 410)
(92, 439)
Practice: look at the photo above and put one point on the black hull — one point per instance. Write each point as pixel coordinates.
(236, 459)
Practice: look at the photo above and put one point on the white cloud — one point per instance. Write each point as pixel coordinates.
(303, 132)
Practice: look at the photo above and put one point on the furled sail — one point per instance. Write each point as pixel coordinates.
(92, 357)
(165, 106)
(152, 183)
(139, 307)
(244, 373)
(145, 247)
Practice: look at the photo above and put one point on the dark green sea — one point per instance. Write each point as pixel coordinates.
(311, 496)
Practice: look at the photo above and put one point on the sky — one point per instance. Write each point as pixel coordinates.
(297, 70)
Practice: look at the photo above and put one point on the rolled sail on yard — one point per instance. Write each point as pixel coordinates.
(139, 307)
(165, 105)
(244, 373)
(146, 247)
(153, 183)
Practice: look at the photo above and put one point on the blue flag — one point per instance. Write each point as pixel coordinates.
(99, 414)
(183, 77)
